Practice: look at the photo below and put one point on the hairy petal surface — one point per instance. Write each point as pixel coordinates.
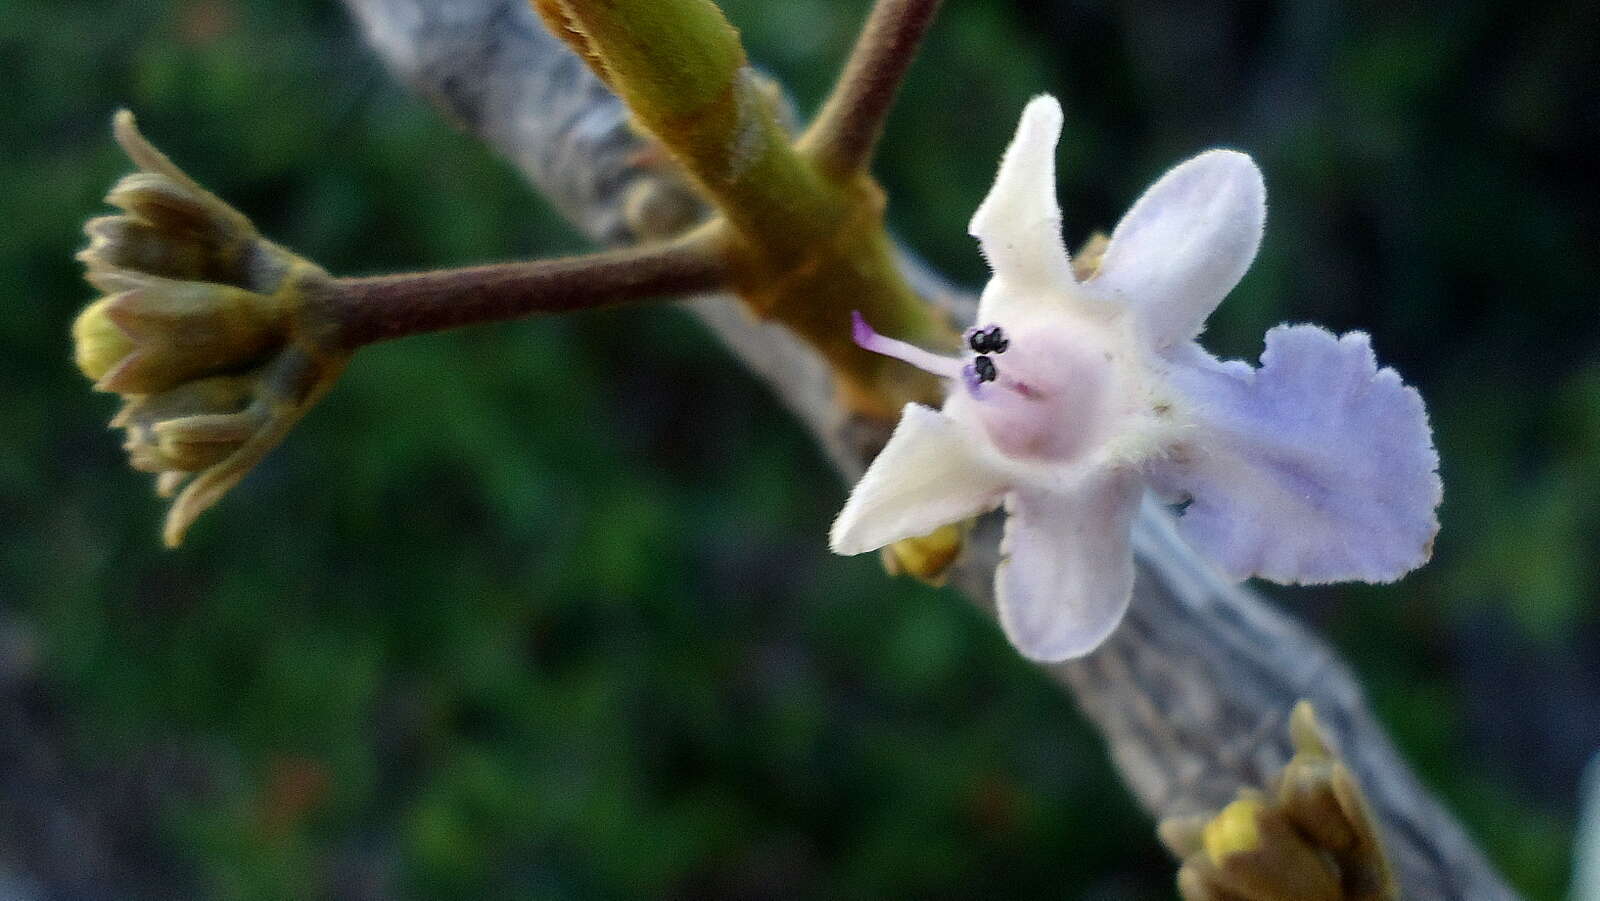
(930, 474)
(1067, 573)
(1018, 225)
(1318, 467)
(1185, 244)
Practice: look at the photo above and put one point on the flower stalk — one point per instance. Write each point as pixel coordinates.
(219, 340)
(381, 308)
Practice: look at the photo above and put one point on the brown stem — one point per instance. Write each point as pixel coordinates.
(380, 308)
(843, 135)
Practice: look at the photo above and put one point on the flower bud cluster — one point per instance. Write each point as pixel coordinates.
(1308, 837)
(197, 330)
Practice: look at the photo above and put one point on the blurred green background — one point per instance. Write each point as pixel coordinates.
(544, 610)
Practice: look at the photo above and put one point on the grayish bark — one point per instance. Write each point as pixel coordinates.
(1192, 693)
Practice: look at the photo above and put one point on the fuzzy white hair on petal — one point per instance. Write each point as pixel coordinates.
(1185, 244)
(1067, 575)
(930, 474)
(1018, 225)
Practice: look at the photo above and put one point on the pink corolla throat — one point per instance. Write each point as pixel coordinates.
(1044, 400)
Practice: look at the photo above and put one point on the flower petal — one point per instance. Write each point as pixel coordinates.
(1186, 243)
(1067, 575)
(1018, 225)
(1318, 467)
(930, 474)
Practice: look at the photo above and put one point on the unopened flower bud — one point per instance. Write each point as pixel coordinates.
(926, 558)
(1086, 262)
(1311, 837)
(1306, 793)
(203, 329)
(192, 289)
(191, 427)
(174, 331)
(1258, 855)
(97, 343)
(1233, 831)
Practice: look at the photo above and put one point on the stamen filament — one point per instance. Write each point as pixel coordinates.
(925, 360)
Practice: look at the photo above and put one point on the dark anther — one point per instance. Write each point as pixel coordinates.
(984, 367)
(989, 340)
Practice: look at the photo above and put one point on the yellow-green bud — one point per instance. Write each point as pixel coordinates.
(927, 557)
(186, 330)
(1258, 855)
(1233, 831)
(1306, 794)
(97, 343)
(192, 289)
(1312, 837)
(191, 427)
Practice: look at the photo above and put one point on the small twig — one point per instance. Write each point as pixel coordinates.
(844, 134)
(380, 308)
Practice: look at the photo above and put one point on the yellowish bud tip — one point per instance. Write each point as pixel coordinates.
(1086, 262)
(1234, 830)
(928, 557)
(1305, 732)
(97, 343)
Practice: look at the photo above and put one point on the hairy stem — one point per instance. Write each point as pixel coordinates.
(679, 67)
(805, 249)
(844, 134)
(368, 310)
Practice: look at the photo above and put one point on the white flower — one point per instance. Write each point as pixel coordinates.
(1316, 467)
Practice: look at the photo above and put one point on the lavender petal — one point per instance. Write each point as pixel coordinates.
(1317, 467)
